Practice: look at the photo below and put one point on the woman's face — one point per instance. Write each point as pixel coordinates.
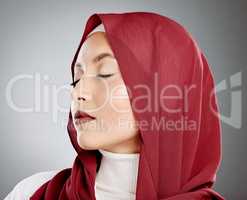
(105, 98)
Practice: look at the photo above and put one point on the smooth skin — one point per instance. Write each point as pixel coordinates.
(105, 97)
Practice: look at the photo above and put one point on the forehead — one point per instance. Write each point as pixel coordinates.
(94, 45)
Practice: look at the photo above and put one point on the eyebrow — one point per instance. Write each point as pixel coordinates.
(101, 56)
(98, 58)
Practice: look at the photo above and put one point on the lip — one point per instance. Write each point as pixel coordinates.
(82, 117)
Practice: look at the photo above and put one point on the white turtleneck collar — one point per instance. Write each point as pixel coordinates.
(117, 176)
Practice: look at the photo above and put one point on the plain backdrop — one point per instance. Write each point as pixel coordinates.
(38, 41)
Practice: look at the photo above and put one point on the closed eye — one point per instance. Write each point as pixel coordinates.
(99, 75)
(105, 75)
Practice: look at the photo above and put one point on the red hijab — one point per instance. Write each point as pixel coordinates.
(175, 164)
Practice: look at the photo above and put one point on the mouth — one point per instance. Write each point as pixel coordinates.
(82, 117)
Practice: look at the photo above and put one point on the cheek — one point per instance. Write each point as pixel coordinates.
(119, 99)
(101, 93)
(121, 111)
(116, 113)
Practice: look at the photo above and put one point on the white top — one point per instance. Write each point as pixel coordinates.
(117, 176)
(25, 188)
(116, 179)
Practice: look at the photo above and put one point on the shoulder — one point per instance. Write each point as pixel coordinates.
(26, 187)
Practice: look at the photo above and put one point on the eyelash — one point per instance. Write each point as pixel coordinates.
(74, 83)
(100, 75)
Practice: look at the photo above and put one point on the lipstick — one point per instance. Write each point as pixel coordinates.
(82, 117)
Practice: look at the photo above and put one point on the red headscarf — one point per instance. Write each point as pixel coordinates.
(178, 164)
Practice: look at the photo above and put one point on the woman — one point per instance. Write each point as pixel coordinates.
(151, 130)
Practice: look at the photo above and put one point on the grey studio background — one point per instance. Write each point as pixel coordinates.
(38, 41)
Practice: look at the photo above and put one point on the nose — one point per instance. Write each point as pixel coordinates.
(82, 93)
(84, 96)
(81, 98)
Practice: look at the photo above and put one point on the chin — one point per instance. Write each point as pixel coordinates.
(87, 145)
(87, 142)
